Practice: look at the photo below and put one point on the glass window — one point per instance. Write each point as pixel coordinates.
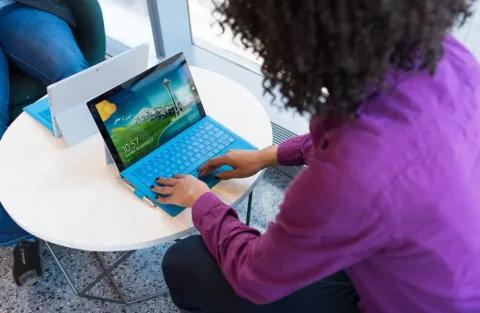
(208, 35)
(128, 22)
(472, 39)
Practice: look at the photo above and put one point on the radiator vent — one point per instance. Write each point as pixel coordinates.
(281, 134)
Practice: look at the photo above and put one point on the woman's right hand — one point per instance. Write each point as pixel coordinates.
(245, 163)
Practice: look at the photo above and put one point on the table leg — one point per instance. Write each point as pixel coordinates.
(106, 273)
(249, 208)
(75, 291)
(109, 275)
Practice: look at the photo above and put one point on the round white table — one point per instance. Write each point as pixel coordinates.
(68, 196)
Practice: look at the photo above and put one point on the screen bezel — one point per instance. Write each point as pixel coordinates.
(98, 120)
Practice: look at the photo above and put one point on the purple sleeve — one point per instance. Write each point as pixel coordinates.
(293, 152)
(326, 223)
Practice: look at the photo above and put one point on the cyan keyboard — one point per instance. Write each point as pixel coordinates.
(46, 115)
(205, 141)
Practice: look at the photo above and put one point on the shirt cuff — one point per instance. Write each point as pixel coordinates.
(203, 206)
(289, 152)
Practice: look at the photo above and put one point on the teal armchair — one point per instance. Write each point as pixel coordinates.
(90, 36)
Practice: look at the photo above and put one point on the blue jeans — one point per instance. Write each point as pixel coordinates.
(43, 46)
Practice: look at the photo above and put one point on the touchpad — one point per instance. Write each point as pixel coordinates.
(210, 179)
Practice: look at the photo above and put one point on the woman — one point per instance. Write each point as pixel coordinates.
(386, 216)
(35, 37)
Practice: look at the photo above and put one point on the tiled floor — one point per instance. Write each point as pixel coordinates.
(140, 275)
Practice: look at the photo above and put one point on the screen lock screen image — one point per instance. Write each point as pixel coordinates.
(148, 112)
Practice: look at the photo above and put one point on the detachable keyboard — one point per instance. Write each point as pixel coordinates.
(46, 114)
(204, 142)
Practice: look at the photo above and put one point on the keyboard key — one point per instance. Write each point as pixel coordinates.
(46, 115)
(137, 174)
(222, 138)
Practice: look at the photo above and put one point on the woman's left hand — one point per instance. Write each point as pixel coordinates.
(181, 190)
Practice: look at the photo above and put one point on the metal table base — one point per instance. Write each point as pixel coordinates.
(122, 298)
(107, 270)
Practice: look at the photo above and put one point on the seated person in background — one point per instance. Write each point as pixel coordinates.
(387, 211)
(41, 44)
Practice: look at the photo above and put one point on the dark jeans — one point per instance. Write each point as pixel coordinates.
(197, 285)
(43, 46)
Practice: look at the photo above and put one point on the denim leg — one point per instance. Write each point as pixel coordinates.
(4, 93)
(41, 44)
(10, 232)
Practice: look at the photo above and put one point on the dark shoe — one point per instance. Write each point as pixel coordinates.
(26, 263)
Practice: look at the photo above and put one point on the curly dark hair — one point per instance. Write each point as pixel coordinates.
(346, 46)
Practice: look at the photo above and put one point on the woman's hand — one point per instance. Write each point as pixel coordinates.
(245, 163)
(181, 190)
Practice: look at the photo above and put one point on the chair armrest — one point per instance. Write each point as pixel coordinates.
(90, 30)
